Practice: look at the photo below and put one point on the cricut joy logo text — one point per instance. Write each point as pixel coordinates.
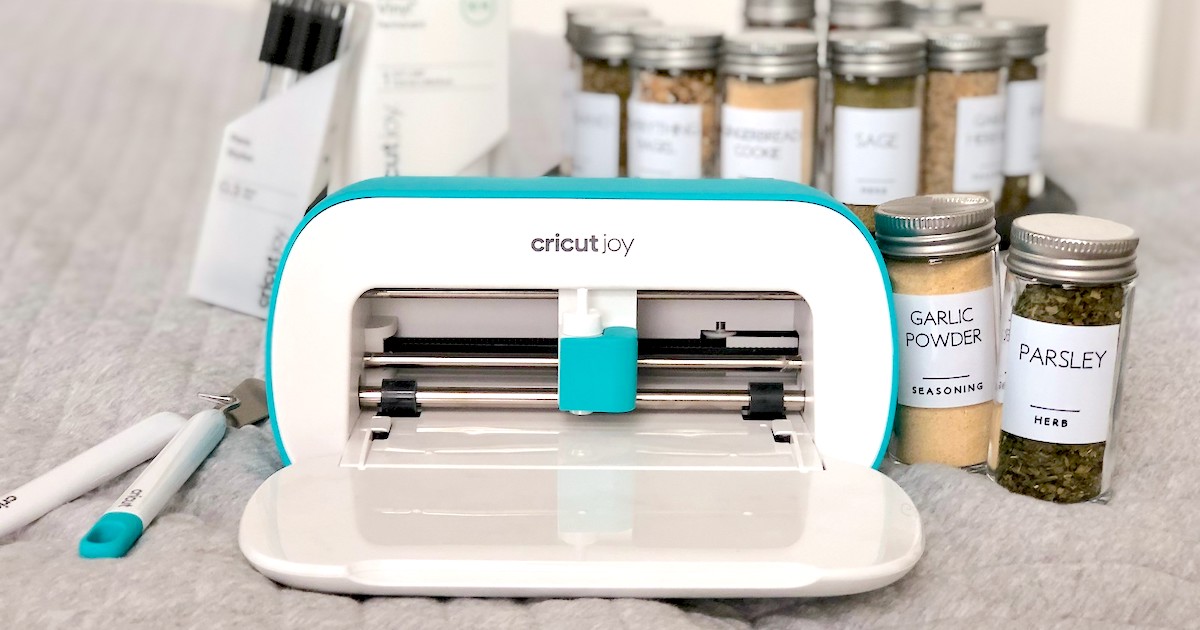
(6, 501)
(592, 244)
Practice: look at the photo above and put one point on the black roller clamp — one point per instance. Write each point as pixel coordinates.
(398, 399)
(766, 402)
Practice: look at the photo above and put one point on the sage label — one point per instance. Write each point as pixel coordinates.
(876, 153)
(597, 135)
(947, 349)
(1023, 129)
(761, 143)
(1059, 381)
(979, 144)
(664, 140)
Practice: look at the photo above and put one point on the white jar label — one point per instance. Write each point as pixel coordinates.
(664, 140)
(1059, 381)
(1023, 130)
(570, 85)
(947, 349)
(762, 143)
(876, 154)
(597, 135)
(979, 144)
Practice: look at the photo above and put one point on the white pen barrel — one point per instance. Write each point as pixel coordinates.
(150, 492)
(87, 471)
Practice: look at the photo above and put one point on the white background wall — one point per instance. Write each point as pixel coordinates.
(1127, 63)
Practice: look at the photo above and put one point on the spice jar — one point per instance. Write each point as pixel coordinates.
(877, 88)
(940, 252)
(572, 77)
(780, 13)
(861, 14)
(1067, 302)
(921, 13)
(603, 45)
(769, 105)
(962, 148)
(673, 130)
(1025, 94)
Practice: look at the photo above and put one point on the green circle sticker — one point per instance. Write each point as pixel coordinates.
(478, 12)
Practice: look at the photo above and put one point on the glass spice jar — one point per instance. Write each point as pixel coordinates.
(873, 149)
(1024, 97)
(572, 77)
(1066, 303)
(921, 13)
(780, 13)
(962, 147)
(940, 252)
(604, 45)
(673, 128)
(863, 14)
(769, 105)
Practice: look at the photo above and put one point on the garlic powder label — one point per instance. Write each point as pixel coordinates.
(947, 349)
(597, 143)
(761, 143)
(979, 145)
(664, 140)
(876, 153)
(1060, 381)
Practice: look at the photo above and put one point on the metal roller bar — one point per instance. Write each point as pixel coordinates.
(386, 360)
(549, 294)
(546, 398)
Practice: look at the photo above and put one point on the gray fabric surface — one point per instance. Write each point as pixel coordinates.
(112, 111)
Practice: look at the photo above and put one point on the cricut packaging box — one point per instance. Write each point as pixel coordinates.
(432, 94)
(419, 88)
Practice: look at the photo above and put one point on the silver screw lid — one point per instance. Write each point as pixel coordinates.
(965, 48)
(864, 13)
(878, 53)
(1026, 38)
(676, 47)
(607, 37)
(599, 9)
(916, 13)
(1072, 249)
(779, 12)
(771, 54)
(935, 226)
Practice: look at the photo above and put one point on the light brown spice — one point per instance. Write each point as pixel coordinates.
(690, 87)
(794, 94)
(942, 92)
(956, 436)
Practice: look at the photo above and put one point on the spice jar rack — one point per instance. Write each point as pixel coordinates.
(681, 89)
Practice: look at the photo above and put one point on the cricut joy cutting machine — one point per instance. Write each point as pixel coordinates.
(581, 387)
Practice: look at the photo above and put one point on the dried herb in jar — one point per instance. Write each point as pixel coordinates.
(1069, 285)
(603, 77)
(1015, 195)
(878, 87)
(1064, 473)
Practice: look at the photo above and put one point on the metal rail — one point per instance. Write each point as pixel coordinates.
(393, 360)
(548, 294)
(547, 398)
